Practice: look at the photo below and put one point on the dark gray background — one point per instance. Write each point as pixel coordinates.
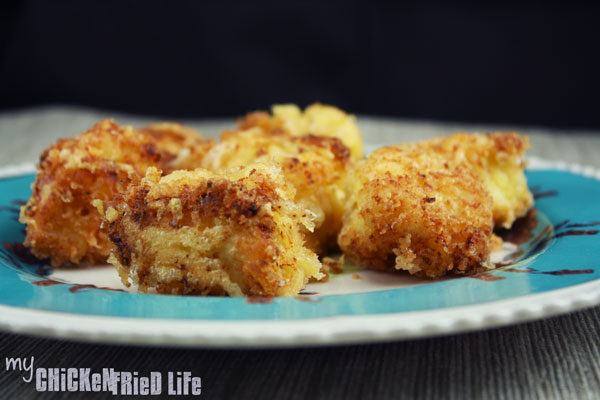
(509, 62)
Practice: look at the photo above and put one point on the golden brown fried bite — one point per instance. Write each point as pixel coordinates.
(198, 232)
(62, 221)
(316, 119)
(411, 209)
(315, 165)
(180, 146)
(498, 160)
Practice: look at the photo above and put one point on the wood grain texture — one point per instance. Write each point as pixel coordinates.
(557, 358)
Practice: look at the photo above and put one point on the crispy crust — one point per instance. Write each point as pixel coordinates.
(181, 147)
(197, 232)
(62, 222)
(259, 119)
(480, 148)
(411, 209)
(498, 160)
(315, 165)
(316, 119)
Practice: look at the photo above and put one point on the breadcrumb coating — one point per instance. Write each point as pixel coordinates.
(315, 165)
(413, 209)
(234, 232)
(61, 217)
(181, 147)
(317, 119)
(498, 160)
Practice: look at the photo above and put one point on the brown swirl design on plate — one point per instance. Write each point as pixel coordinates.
(74, 287)
(307, 299)
(558, 272)
(539, 194)
(16, 255)
(522, 234)
(259, 299)
(486, 277)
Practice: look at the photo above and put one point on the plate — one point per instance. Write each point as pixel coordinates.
(548, 266)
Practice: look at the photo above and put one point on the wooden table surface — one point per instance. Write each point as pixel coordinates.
(553, 358)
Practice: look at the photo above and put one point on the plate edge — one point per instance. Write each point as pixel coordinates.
(333, 330)
(318, 332)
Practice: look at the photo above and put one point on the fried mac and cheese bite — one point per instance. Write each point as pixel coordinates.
(316, 119)
(235, 232)
(412, 209)
(181, 147)
(62, 221)
(315, 166)
(498, 160)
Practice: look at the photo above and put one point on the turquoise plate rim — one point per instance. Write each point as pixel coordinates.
(582, 289)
